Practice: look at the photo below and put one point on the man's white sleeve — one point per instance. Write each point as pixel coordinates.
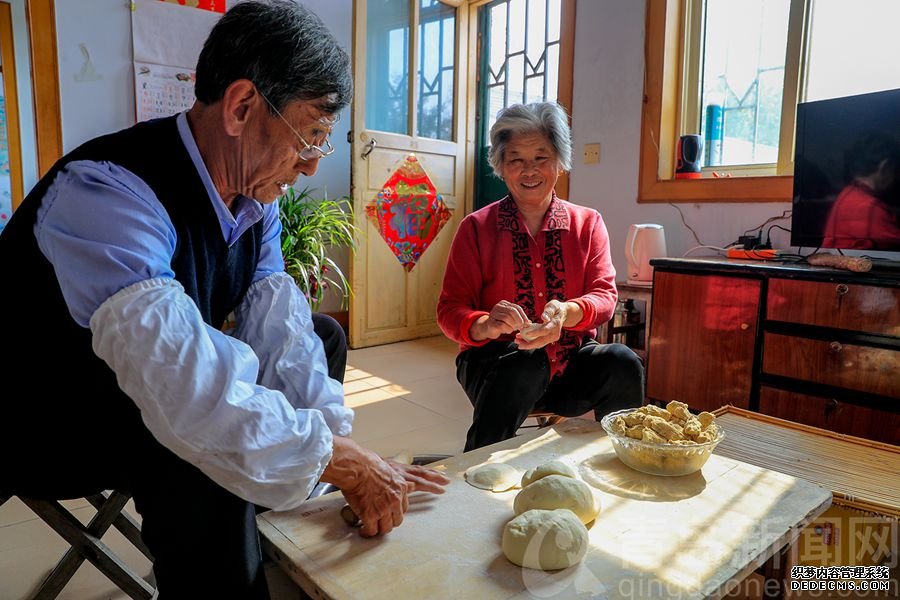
(198, 395)
(275, 320)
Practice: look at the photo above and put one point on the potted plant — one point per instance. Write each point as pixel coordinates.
(310, 226)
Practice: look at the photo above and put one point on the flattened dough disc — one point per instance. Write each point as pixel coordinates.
(497, 477)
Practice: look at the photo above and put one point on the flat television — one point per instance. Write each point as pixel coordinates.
(847, 173)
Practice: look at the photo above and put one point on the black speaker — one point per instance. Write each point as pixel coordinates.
(690, 151)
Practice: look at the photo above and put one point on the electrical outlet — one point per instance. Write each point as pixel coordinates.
(591, 154)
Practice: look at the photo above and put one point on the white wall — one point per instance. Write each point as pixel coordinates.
(103, 101)
(609, 82)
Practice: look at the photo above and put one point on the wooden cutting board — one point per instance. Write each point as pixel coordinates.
(656, 537)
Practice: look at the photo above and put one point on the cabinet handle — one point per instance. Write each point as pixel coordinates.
(831, 407)
(744, 326)
(835, 346)
(842, 289)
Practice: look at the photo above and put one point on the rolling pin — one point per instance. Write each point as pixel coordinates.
(849, 263)
(350, 517)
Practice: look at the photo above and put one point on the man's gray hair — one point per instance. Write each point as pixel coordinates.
(282, 47)
(546, 118)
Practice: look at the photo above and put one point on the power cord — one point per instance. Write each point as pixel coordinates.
(784, 215)
(768, 238)
(723, 251)
(683, 220)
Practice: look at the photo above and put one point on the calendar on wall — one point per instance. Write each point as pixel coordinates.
(167, 38)
(162, 91)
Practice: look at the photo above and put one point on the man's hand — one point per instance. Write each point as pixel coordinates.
(375, 491)
(505, 317)
(421, 479)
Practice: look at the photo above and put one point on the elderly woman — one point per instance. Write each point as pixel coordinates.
(528, 280)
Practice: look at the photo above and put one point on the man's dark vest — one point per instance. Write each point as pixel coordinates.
(52, 355)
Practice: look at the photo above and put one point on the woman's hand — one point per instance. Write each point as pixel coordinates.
(556, 315)
(504, 318)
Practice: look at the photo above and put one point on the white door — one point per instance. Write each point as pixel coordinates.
(410, 88)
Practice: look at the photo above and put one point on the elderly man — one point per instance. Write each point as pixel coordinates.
(121, 266)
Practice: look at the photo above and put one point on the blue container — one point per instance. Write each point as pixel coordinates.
(715, 121)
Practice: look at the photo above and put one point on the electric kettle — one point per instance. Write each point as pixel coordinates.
(644, 242)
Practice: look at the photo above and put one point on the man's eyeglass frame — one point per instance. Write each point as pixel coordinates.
(310, 151)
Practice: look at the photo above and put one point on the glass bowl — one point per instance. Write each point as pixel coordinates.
(659, 459)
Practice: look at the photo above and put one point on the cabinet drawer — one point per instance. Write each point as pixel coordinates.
(829, 413)
(867, 308)
(872, 370)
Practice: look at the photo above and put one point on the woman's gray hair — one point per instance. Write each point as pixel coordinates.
(282, 47)
(546, 118)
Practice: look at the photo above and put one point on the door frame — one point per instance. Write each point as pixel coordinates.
(37, 56)
(41, 15)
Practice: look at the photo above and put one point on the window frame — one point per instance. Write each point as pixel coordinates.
(663, 102)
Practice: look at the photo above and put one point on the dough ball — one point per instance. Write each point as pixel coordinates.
(497, 477)
(545, 539)
(553, 467)
(557, 491)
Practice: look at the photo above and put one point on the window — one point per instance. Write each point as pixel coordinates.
(521, 54)
(526, 49)
(437, 32)
(734, 101)
(388, 31)
(733, 73)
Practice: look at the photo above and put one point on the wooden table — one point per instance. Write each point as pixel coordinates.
(656, 537)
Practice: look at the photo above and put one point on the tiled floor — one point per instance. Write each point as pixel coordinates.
(406, 399)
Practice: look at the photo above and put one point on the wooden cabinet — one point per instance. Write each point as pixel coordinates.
(829, 413)
(716, 318)
(813, 345)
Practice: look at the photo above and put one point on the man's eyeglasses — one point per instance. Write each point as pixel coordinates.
(310, 151)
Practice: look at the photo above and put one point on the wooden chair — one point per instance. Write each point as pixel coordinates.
(85, 543)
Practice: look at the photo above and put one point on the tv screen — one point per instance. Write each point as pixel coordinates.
(847, 173)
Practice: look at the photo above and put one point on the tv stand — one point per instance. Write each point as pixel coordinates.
(885, 265)
(816, 345)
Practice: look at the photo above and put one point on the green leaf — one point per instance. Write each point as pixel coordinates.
(310, 226)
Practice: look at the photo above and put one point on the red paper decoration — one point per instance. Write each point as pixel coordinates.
(408, 212)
